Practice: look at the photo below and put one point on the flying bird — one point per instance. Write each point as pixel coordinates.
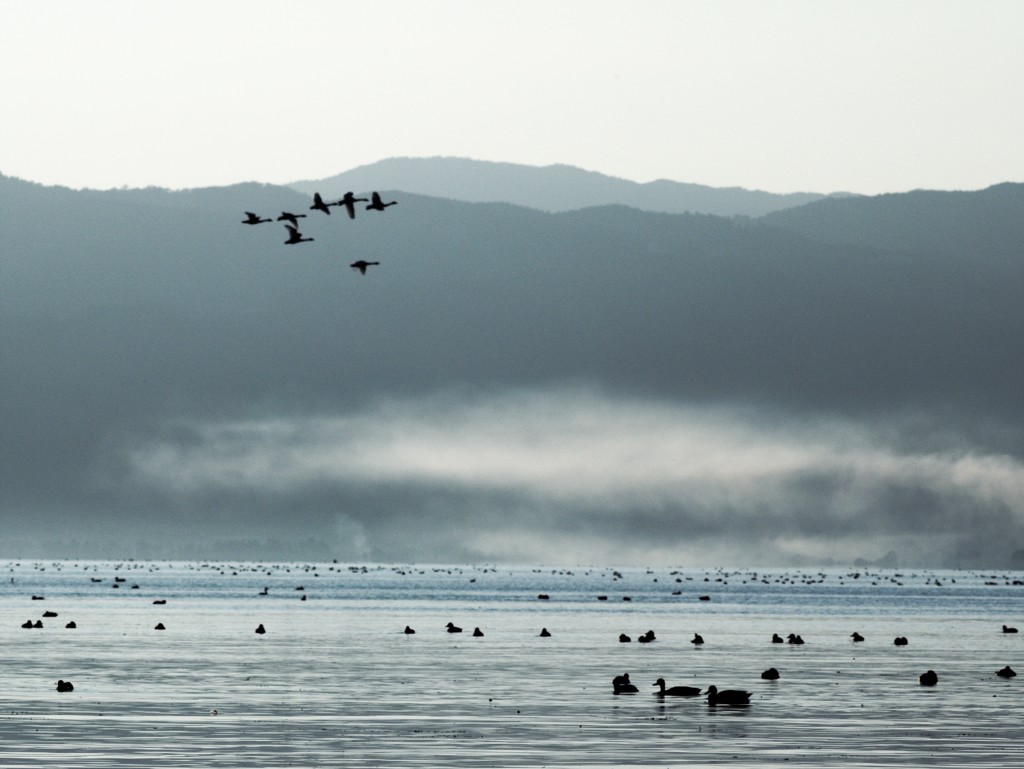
(290, 217)
(319, 205)
(294, 236)
(379, 205)
(361, 265)
(251, 218)
(349, 201)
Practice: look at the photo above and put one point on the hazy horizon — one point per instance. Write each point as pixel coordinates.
(864, 96)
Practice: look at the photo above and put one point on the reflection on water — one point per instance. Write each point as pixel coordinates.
(336, 682)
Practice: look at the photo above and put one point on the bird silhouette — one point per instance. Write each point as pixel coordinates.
(361, 265)
(621, 685)
(727, 696)
(65, 686)
(319, 205)
(377, 204)
(294, 236)
(675, 691)
(349, 201)
(287, 216)
(251, 218)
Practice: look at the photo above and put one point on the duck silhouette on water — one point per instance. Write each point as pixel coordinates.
(294, 236)
(928, 678)
(361, 265)
(349, 202)
(727, 696)
(65, 686)
(621, 685)
(251, 218)
(377, 204)
(453, 628)
(1006, 672)
(857, 637)
(675, 691)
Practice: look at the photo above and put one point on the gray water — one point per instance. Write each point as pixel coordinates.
(335, 681)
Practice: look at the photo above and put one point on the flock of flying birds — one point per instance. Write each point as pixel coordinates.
(348, 201)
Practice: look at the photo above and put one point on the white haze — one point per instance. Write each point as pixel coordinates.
(571, 474)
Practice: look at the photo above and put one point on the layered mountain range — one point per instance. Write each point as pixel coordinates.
(122, 311)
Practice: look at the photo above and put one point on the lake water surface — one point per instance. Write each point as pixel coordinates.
(335, 682)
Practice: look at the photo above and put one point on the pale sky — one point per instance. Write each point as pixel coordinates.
(865, 96)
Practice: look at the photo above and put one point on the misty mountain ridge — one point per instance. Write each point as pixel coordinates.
(553, 188)
(131, 318)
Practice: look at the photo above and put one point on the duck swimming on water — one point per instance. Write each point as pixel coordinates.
(621, 685)
(727, 696)
(675, 691)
